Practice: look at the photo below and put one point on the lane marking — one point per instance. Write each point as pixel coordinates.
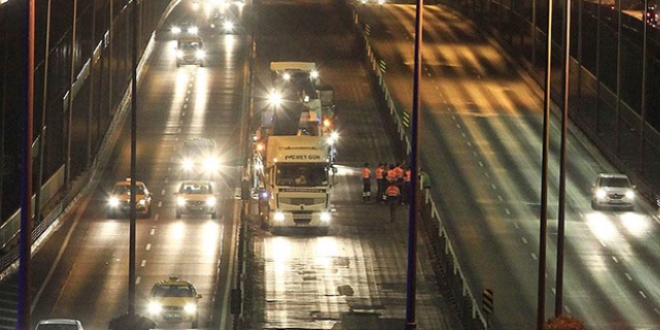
(481, 164)
(458, 126)
(486, 174)
(148, 246)
(500, 198)
(507, 211)
(160, 204)
(152, 231)
(615, 259)
(524, 240)
(534, 257)
(156, 216)
(643, 295)
(162, 192)
(554, 291)
(602, 243)
(568, 310)
(142, 263)
(138, 279)
(493, 186)
(469, 144)
(515, 224)
(628, 277)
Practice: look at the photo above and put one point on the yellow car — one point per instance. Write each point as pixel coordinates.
(174, 301)
(120, 198)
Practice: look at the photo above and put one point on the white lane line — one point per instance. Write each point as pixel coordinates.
(656, 311)
(183, 113)
(162, 192)
(165, 180)
(148, 248)
(568, 310)
(615, 259)
(524, 240)
(469, 144)
(138, 279)
(160, 204)
(500, 198)
(515, 224)
(493, 186)
(486, 174)
(458, 126)
(152, 231)
(156, 216)
(169, 168)
(602, 243)
(463, 134)
(428, 74)
(534, 257)
(474, 153)
(143, 263)
(642, 294)
(554, 291)
(628, 277)
(507, 211)
(453, 117)
(481, 164)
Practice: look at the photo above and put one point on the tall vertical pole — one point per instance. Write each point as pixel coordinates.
(598, 29)
(543, 234)
(132, 239)
(69, 115)
(642, 129)
(44, 117)
(411, 285)
(619, 55)
(25, 239)
(534, 33)
(561, 221)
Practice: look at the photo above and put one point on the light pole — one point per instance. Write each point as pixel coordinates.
(132, 229)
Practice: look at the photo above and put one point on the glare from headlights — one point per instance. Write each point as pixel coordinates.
(264, 195)
(211, 201)
(325, 216)
(193, 30)
(176, 30)
(228, 26)
(190, 308)
(275, 99)
(630, 194)
(154, 307)
(211, 164)
(286, 76)
(113, 202)
(142, 202)
(200, 54)
(314, 74)
(181, 201)
(179, 53)
(279, 216)
(188, 164)
(600, 193)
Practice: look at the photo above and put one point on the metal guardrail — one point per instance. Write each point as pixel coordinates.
(467, 304)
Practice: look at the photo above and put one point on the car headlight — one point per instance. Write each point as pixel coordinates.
(154, 307)
(179, 53)
(630, 194)
(180, 201)
(200, 54)
(176, 30)
(190, 308)
(210, 201)
(600, 193)
(314, 74)
(143, 202)
(188, 164)
(228, 26)
(113, 202)
(325, 216)
(279, 216)
(193, 30)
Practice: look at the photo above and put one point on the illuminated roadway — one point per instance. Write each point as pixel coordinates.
(82, 271)
(481, 143)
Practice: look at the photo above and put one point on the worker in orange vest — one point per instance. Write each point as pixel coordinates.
(391, 175)
(380, 182)
(393, 193)
(366, 182)
(407, 191)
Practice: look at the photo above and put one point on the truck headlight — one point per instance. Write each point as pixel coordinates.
(228, 26)
(600, 193)
(180, 201)
(179, 54)
(176, 30)
(211, 201)
(211, 164)
(188, 164)
(325, 216)
(193, 30)
(154, 307)
(143, 202)
(113, 202)
(630, 194)
(200, 54)
(279, 216)
(190, 308)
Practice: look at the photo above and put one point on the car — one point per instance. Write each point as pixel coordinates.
(613, 190)
(651, 16)
(174, 301)
(190, 50)
(199, 156)
(59, 324)
(120, 197)
(196, 197)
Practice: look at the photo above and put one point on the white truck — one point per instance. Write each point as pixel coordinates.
(295, 183)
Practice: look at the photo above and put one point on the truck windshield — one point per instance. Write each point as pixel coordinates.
(301, 175)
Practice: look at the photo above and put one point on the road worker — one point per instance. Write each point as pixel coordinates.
(380, 182)
(391, 175)
(366, 182)
(393, 193)
(406, 195)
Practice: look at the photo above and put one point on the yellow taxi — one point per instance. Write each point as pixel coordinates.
(174, 301)
(120, 199)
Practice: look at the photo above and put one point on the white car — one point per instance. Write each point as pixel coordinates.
(196, 197)
(59, 324)
(613, 190)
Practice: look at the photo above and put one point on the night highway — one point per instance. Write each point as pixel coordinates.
(481, 143)
(482, 136)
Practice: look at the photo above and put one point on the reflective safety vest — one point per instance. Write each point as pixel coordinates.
(391, 175)
(399, 172)
(379, 173)
(366, 173)
(392, 191)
